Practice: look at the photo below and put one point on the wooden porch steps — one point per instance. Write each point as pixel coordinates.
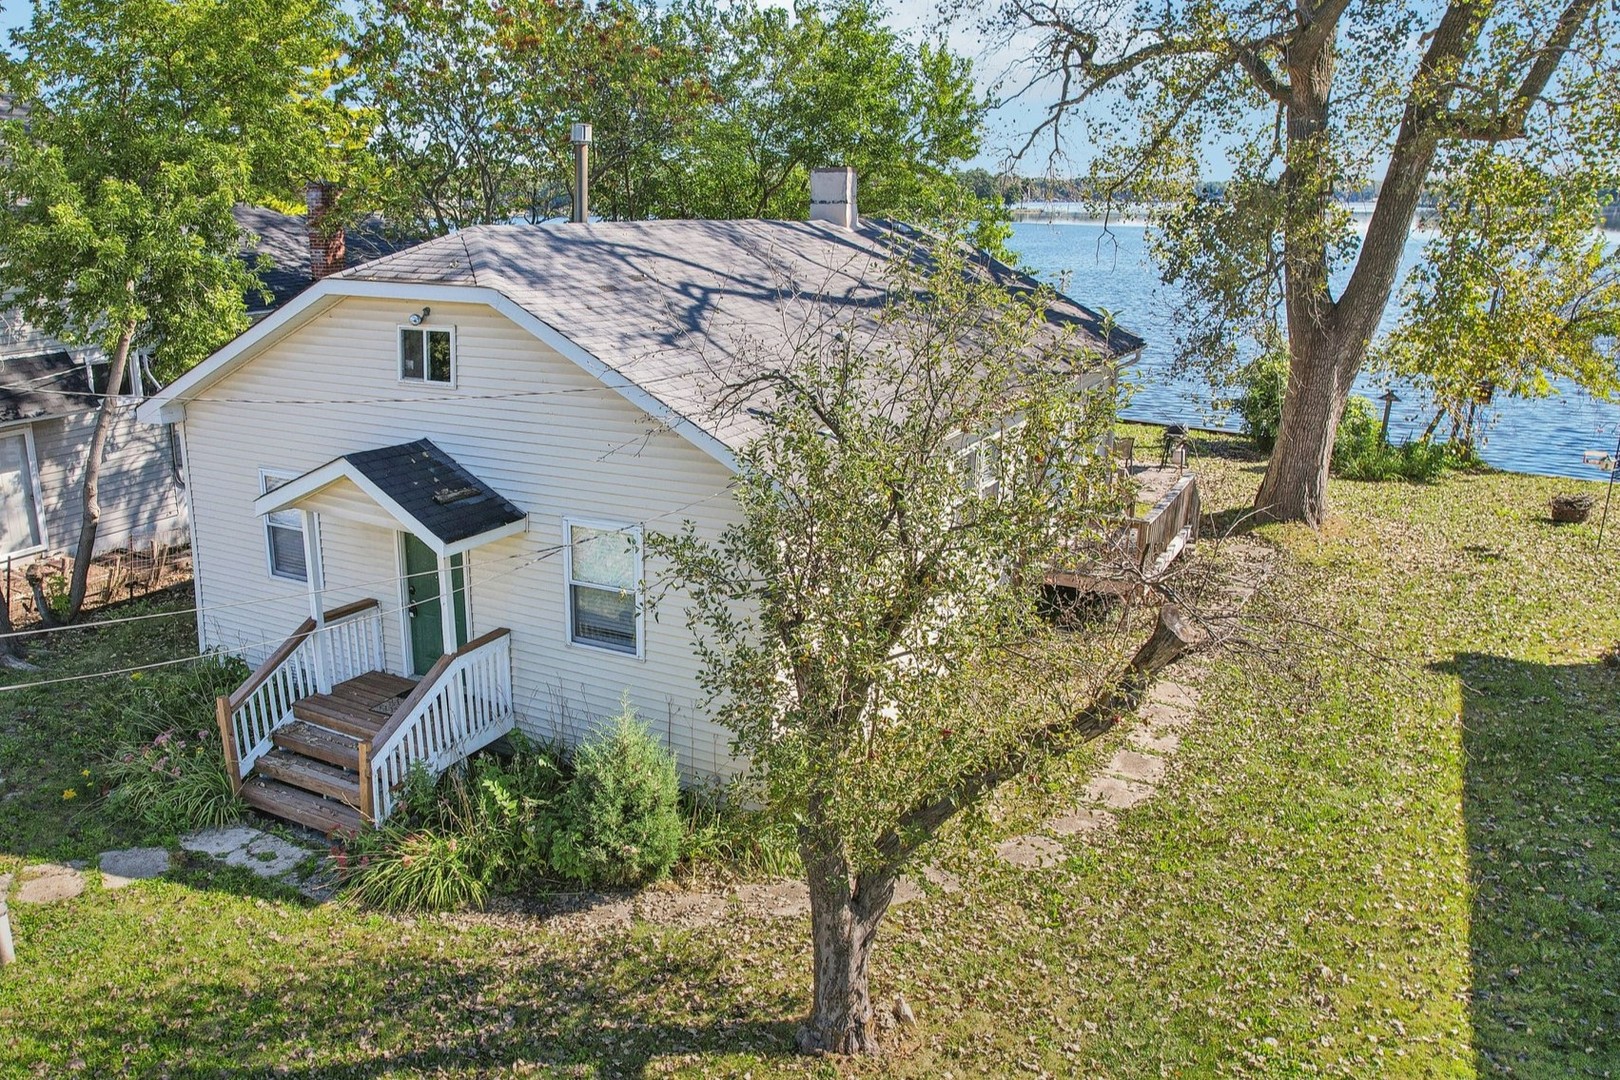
(311, 777)
(294, 804)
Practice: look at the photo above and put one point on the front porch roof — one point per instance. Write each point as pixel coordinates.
(418, 485)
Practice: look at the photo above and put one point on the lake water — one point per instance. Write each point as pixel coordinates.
(1110, 268)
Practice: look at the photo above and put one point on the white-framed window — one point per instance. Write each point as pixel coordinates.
(602, 568)
(427, 354)
(283, 534)
(21, 529)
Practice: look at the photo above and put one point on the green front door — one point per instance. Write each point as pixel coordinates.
(426, 615)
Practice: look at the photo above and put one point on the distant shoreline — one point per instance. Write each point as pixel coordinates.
(1134, 218)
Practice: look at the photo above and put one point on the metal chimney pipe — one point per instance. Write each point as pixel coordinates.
(581, 139)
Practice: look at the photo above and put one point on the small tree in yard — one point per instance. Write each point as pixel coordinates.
(149, 120)
(872, 628)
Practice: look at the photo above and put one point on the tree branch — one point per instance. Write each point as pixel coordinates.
(1510, 122)
(1171, 639)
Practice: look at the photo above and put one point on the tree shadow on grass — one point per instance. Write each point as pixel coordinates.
(511, 1004)
(1541, 804)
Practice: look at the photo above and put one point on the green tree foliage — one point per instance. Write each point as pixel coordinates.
(150, 119)
(1310, 100)
(707, 109)
(818, 86)
(619, 822)
(872, 629)
(1517, 290)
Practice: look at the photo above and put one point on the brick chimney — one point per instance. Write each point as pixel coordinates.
(327, 252)
(832, 197)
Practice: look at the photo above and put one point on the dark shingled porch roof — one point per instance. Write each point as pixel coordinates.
(428, 484)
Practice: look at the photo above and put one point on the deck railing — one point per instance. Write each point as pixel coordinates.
(463, 704)
(1167, 527)
(349, 643)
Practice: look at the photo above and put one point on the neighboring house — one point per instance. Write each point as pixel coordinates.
(497, 417)
(50, 394)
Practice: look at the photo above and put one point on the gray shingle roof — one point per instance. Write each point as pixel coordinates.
(284, 239)
(47, 384)
(431, 487)
(678, 307)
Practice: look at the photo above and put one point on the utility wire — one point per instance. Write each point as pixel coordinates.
(271, 601)
(381, 613)
(533, 557)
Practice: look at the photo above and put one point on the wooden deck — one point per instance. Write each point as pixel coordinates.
(1163, 526)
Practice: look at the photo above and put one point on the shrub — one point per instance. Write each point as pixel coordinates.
(1360, 453)
(484, 830)
(1262, 383)
(620, 822)
(174, 781)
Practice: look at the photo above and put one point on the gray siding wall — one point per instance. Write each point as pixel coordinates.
(522, 418)
(141, 497)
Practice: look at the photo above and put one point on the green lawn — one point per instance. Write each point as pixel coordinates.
(1390, 845)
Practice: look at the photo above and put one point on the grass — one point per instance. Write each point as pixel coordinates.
(1387, 847)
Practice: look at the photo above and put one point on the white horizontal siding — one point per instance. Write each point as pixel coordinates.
(524, 420)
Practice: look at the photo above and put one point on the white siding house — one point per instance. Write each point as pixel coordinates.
(497, 416)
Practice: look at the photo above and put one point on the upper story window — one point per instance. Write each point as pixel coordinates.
(603, 569)
(427, 355)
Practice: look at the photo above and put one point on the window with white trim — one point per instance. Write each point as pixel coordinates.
(427, 355)
(19, 511)
(283, 534)
(602, 565)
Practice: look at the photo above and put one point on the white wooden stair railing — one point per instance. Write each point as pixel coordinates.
(349, 644)
(462, 704)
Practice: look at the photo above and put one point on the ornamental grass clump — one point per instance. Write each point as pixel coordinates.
(620, 819)
(453, 842)
(174, 781)
(167, 765)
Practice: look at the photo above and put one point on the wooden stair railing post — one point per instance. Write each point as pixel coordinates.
(368, 807)
(233, 767)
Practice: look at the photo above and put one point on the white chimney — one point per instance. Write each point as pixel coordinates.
(832, 196)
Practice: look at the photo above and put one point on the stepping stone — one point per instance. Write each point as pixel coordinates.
(1162, 718)
(778, 899)
(1134, 766)
(49, 883)
(267, 856)
(1119, 794)
(941, 879)
(1176, 695)
(1146, 739)
(1085, 819)
(905, 891)
(128, 865)
(1030, 852)
(5, 886)
(223, 841)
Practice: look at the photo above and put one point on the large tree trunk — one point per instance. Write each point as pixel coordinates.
(1295, 484)
(844, 918)
(91, 520)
